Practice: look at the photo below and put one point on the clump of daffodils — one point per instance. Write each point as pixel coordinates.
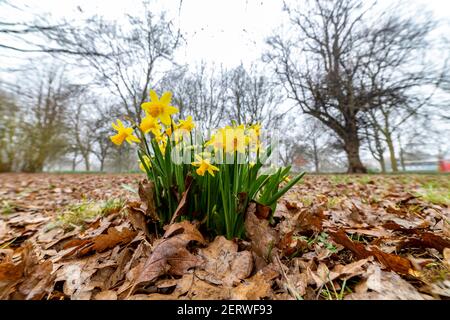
(218, 176)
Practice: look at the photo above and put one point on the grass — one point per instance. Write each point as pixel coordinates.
(321, 238)
(7, 207)
(333, 202)
(435, 195)
(333, 294)
(306, 201)
(78, 214)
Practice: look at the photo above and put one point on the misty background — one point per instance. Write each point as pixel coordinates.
(353, 85)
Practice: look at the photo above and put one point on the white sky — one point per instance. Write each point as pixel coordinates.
(221, 31)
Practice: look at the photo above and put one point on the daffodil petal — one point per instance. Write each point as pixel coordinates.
(165, 119)
(166, 97)
(153, 96)
(172, 110)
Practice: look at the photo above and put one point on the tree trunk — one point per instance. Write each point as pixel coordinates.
(86, 163)
(74, 162)
(401, 154)
(316, 156)
(390, 145)
(354, 161)
(382, 164)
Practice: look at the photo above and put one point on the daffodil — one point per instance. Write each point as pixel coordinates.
(217, 140)
(162, 141)
(149, 123)
(187, 124)
(235, 140)
(256, 128)
(204, 165)
(123, 134)
(160, 108)
(147, 162)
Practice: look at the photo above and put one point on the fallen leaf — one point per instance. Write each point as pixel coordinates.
(170, 254)
(390, 261)
(446, 254)
(224, 264)
(27, 279)
(106, 295)
(138, 218)
(263, 237)
(257, 286)
(146, 193)
(182, 205)
(357, 249)
(102, 242)
(426, 240)
(382, 285)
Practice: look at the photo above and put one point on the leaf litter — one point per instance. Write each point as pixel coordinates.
(331, 237)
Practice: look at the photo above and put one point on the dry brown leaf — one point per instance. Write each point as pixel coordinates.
(263, 237)
(357, 249)
(147, 193)
(28, 279)
(426, 240)
(3, 230)
(39, 282)
(257, 286)
(138, 218)
(182, 204)
(262, 211)
(106, 295)
(170, 254)
(290, 244)
(446, 254)
(224, 264)
(345, 272)
(391, 261)
(193, 288)
(102, 242)
(381, 285)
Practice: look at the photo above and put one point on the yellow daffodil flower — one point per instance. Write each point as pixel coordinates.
(147, 163)
(123, 134)
(150, 124)
(203, 166)
(235, 140)
(160, 108)
(217, 140)
(256, 128)
(162, 141)
(187, 124)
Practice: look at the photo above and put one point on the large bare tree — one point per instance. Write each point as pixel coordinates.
(341, 64)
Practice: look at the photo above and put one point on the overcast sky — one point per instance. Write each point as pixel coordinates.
(221, 31)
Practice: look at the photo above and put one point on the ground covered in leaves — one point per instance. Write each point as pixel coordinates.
(332, 237)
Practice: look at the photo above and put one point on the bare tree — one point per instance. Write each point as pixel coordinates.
(125, 58)
(10, 127)
(254, 98)
(201, 93)
(43, 101)
(336, 67)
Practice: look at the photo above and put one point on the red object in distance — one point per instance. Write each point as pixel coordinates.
(444, 166)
